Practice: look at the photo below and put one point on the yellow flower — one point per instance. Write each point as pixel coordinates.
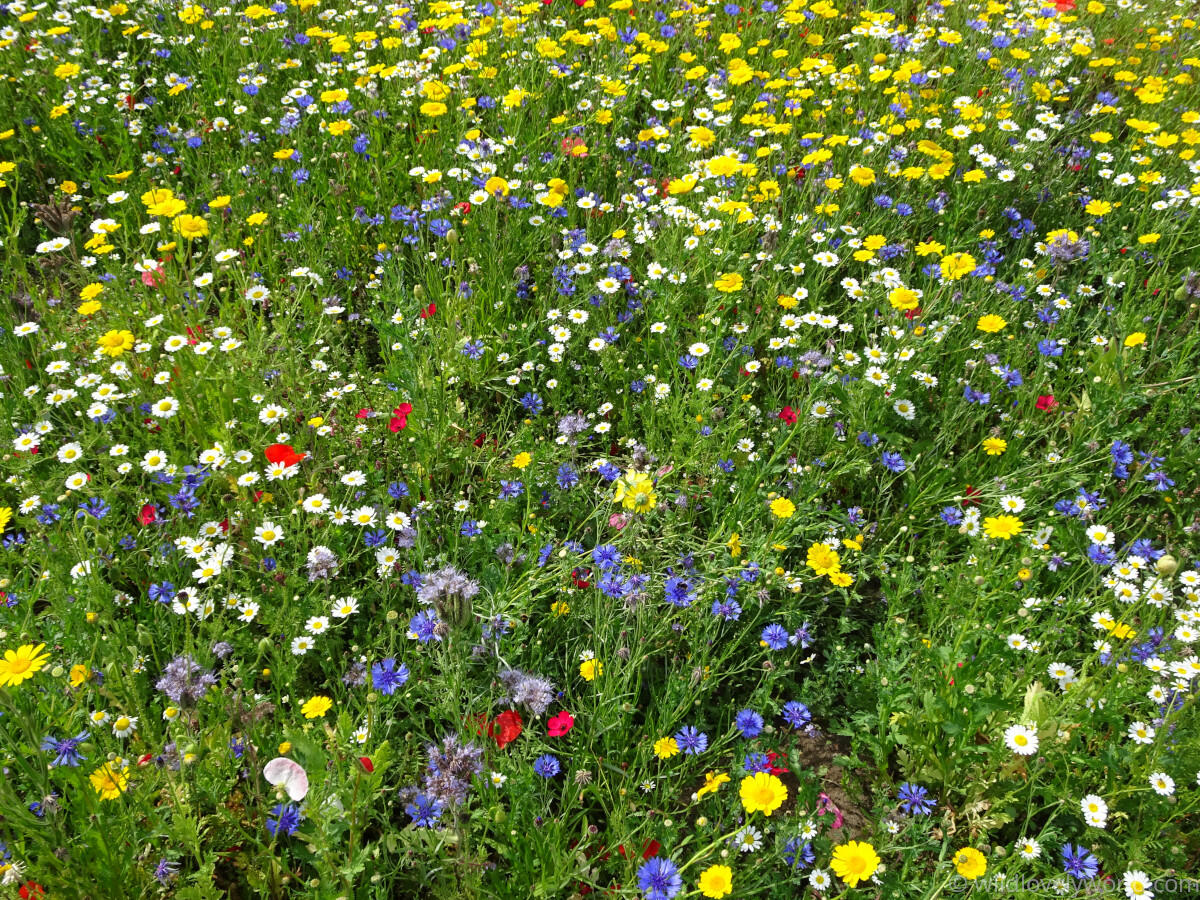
(109, 782)
(970, 863)
(841, 579)
(91, 291)
(89, 307)
(729, 282)
(903, 299)
(66, 70)
(1136, 339)
(114, 343)
(315, 707)
(994, 446)
(521, 460)
(712, 783)
(219, 202)
(1002, 527)
(862, 175)
(783, 508)
(991, 323)
(190, 227)
(256, 218)
(1151, 238)
(79, 674)
(735, 545)
(823, 559)
(433, 108)
(560, 607)
(6, 515)
(1098, 208)
(635, 490)
(22, 664)
(854, 861)
(590, 668)
(168, 208)
(665, 748)
(956, 265)
(762, 792)
(716, 881)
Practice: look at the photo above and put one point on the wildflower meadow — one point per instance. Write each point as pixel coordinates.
(639, 449)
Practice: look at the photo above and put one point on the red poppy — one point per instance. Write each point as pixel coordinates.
(579, 577)
(428, 311)
(560, 724)
(774, 769)
(1046, 402)
(912, 313)
(283, 453)
(969, 496)
(363, 413)
(148, 514)
(651, 849)
(368, 766)
(788, 415)
(506, 728)
(569, 144)
(400, 417)
(31, 889)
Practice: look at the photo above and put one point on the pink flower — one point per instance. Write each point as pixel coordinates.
(155, 277)
(283, 772)
(560, 724)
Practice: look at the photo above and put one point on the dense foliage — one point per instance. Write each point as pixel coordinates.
(639, 449)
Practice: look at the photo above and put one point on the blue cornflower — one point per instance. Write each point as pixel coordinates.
(798, 853)
(691, 740)
(893, 461)
(749, 723)
(547, 765)
(163, 593)
(470, 528)
(1079, 862)
(659, 879)
(606, 557)
(756, 762)
(386, 677)
(567, 477)
(473, 349)
(510, 490)
(66, 752)
(951, 515)
(612, 585)
(165, 870)
(533, 403)
(287, 819)
(775, 636)
(423, 625)
(727, 609)
(796, 714)
(915, 800)
(608, 471)
(424, 810)
(96, 508)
